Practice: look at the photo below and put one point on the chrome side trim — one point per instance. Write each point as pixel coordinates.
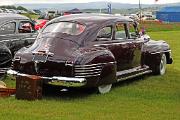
(161, 52)
(94, 64)
(91, 70)
(90, 73)
(86, 76)
(87, 70)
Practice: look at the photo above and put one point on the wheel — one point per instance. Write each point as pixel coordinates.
(161, 68)
(162, 65)
(104, 88)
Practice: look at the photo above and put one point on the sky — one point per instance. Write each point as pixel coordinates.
(10, 2)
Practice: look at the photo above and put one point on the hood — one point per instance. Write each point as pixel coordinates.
(62, 48)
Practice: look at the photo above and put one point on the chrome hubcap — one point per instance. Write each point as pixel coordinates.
(163, 64)
(104, 88)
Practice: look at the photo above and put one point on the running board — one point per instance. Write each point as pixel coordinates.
(131, 73)
(135, 75)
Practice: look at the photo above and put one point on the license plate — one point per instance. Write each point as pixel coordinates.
(40, 58)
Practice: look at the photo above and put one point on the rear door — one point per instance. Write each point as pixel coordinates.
(116, 41)
(7, 33)
(122, 40)
(128, 46)
(135, 44)
(121, 47)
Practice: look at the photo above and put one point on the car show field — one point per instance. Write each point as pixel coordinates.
(89, 60)
(144, 98)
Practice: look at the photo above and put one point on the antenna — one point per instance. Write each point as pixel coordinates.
(109, 8)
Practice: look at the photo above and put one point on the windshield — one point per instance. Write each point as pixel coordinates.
(65, 27)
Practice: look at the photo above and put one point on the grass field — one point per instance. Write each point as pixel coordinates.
(32, 16)
(144, 98)
(155, 26)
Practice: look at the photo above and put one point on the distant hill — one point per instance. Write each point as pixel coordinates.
(90, 5)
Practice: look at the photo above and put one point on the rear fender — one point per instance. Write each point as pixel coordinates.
(100, 57)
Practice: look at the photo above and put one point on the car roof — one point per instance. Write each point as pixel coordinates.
(91, 18)
(9, 17)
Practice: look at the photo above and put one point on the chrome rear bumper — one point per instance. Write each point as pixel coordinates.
(56, 80)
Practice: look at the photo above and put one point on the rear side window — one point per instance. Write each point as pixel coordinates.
(8, 28)
(120, 33)
(69, 28)
(105, 32)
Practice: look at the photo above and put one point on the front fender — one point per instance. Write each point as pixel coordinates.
(5, 55)
(152, 52)
(155, 47)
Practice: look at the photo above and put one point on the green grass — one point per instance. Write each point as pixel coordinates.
(152, 26)
(144, 98)
(31, 16)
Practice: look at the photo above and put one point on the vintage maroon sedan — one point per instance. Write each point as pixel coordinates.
(90, 50)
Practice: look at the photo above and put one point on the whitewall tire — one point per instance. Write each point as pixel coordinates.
(104, 88)
(162, 66)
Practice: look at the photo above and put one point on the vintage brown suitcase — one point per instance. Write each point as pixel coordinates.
(28, 87)
(6, 92)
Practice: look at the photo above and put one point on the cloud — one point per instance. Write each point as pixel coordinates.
(10, 2)
(6, 2)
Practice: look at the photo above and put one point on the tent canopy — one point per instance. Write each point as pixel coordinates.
(170, 9)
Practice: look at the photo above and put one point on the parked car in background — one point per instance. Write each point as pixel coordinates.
(39, 24)
(1, 11)
(148, 17)
(16, 31)
(133, 16)
(90, 50)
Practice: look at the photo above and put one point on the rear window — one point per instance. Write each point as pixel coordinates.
(65, 27)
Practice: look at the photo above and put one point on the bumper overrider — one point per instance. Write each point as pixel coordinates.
(55, 80)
